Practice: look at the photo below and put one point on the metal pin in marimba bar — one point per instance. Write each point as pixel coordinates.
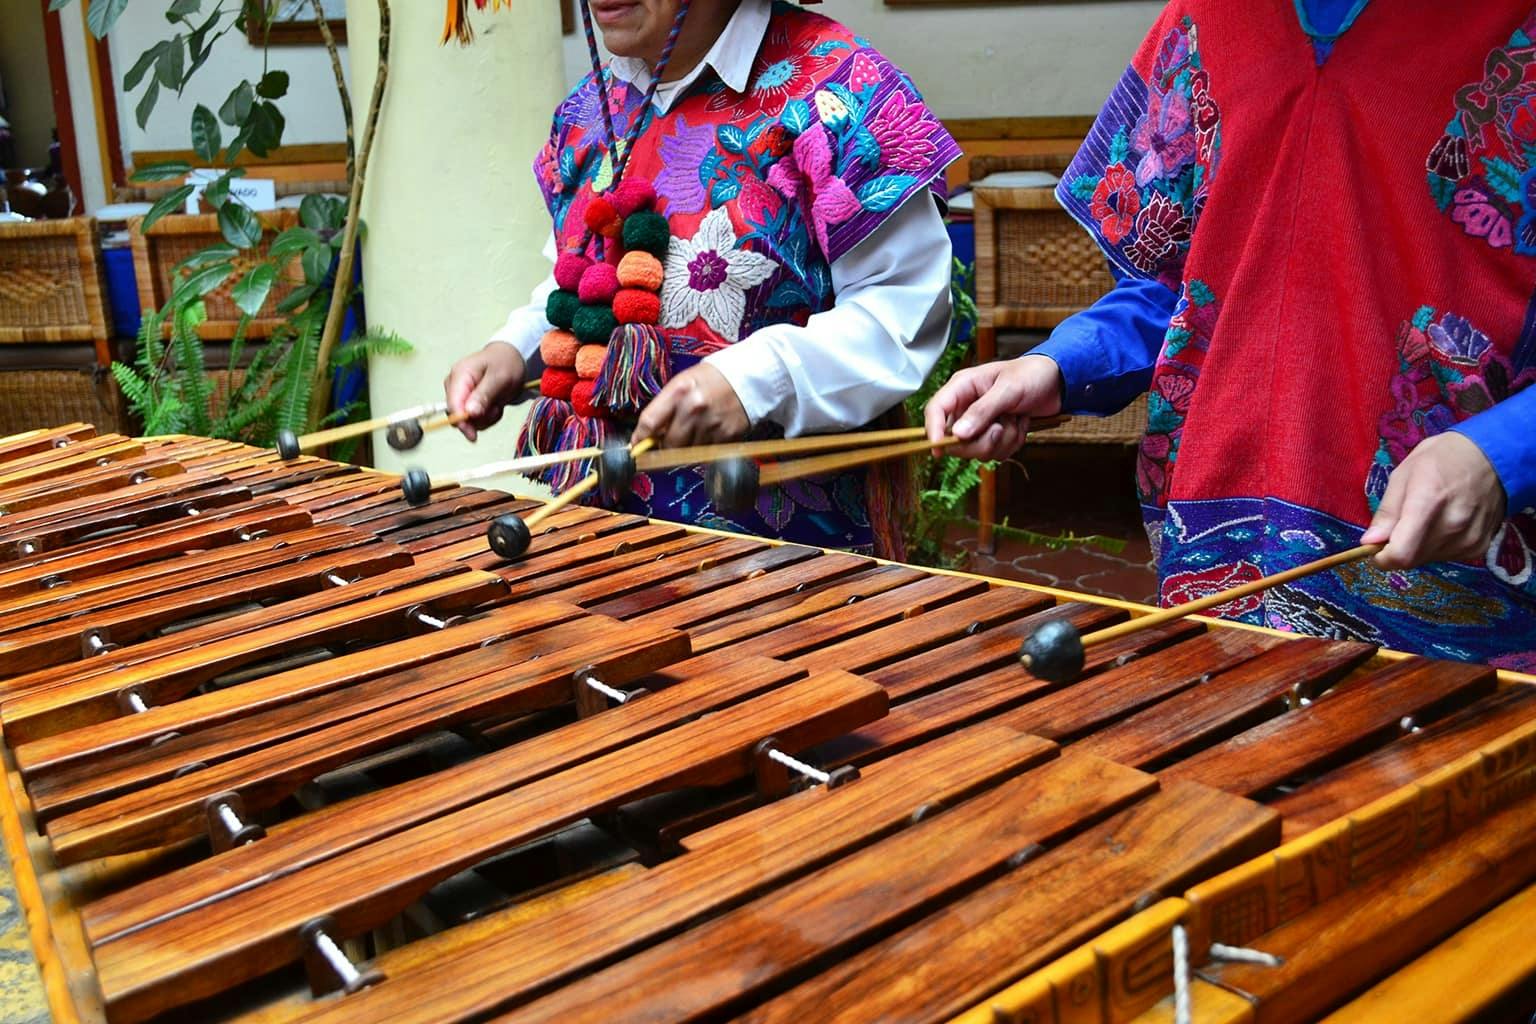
(133, 701)
(772, 768)
(593, 695)
(96, 641)
(327, 964)
(420, 613)
(227, 827)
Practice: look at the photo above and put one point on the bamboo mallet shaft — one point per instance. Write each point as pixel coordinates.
(1177, 612)
(575, 491)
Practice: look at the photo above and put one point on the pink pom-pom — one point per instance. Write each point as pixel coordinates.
(569, 268)
(631, 195)
(599, 284)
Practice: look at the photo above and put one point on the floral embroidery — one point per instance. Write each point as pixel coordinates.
(1173, 388)
(806, 175)
(1116, 203)
(1480, 168)
(904, 132)
(1184, 587)
(1448, 371)
(683, 151)
(786, 66)
(708, 276)
(1140, 183)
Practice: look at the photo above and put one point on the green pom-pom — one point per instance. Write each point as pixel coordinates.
(647, 231)
(560, 309)
(593, 325)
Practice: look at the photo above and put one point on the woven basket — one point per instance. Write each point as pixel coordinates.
(1035, 266)
(31, 399)
(1123, 428)
(172, 239)
(51, 285)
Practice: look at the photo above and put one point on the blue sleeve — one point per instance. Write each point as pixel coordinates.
(1506, 434)
(1107, 351)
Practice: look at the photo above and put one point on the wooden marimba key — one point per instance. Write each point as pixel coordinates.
(282, 746)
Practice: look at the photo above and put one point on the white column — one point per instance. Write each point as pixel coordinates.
(456, 226)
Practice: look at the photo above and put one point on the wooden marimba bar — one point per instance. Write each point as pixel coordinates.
(280, 747)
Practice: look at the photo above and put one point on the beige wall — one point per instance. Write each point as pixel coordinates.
(24, 70)
(997, 60)
(456, 227)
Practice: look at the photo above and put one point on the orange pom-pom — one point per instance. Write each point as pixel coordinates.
(640, 269)
(602, 218)
(558, 349)
(634, 306)
(589, 360)
(581, 399)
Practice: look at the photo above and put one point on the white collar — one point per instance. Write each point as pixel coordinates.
(732, 56)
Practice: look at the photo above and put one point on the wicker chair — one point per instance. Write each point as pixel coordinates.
(55, 344)
(1035, 266)
(172, 239)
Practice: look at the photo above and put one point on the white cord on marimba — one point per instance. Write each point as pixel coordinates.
(1182, 1013)
(811, 772)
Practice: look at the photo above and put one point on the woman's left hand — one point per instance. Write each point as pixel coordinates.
(1443, 503)
(698, 406)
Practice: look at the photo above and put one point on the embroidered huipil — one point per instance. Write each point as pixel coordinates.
(1326, 235)
(808, 262)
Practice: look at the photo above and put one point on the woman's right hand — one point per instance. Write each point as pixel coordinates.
(989, 407)
(483, 384)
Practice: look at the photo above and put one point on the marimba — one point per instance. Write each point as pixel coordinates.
(280, 747)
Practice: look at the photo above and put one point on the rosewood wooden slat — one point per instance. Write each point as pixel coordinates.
(176, 573)
(1237, 699)
(959, 704)
(1362, 933)
(46, 711)
(57, 643)
(369, 513)
(963, 618)
(116, 476)
(977, 945)
(410, 521)
(758, 591)
(821, 917)
(242, 523)
(198, 953)
(962, 658)
(18, 445)
(71, 531)
(110, 544)
(359, 503)
(344, 726)
(69, 460)
(1358, 713)
(460, 514)
(127, 740)
(727, 867)
(535, 565)
(332, 831)
(624, 556)
(170, 485)
(1117, 693)
(807, 597)
(600, 588)
(722, 576)
(1403, 760)
(571, 525)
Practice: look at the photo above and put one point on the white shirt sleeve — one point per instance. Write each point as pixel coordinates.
(885, 331)
(527, 324)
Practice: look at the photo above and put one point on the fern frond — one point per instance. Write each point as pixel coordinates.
(191, 374)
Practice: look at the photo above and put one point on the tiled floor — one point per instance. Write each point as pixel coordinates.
(1079, 492)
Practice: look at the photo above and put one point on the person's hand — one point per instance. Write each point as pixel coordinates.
(698, 406)
(1444, 503)
(482, 384)
(989, 407)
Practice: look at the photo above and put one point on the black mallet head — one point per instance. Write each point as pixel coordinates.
(1054, 652)
(615, 472)
(733, 484)
(403, 436)
(417, 487)
(287, 445)
(509, 536)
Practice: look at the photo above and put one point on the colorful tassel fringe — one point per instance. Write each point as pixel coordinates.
(578, 432)
(541, 431)
(637, 367)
